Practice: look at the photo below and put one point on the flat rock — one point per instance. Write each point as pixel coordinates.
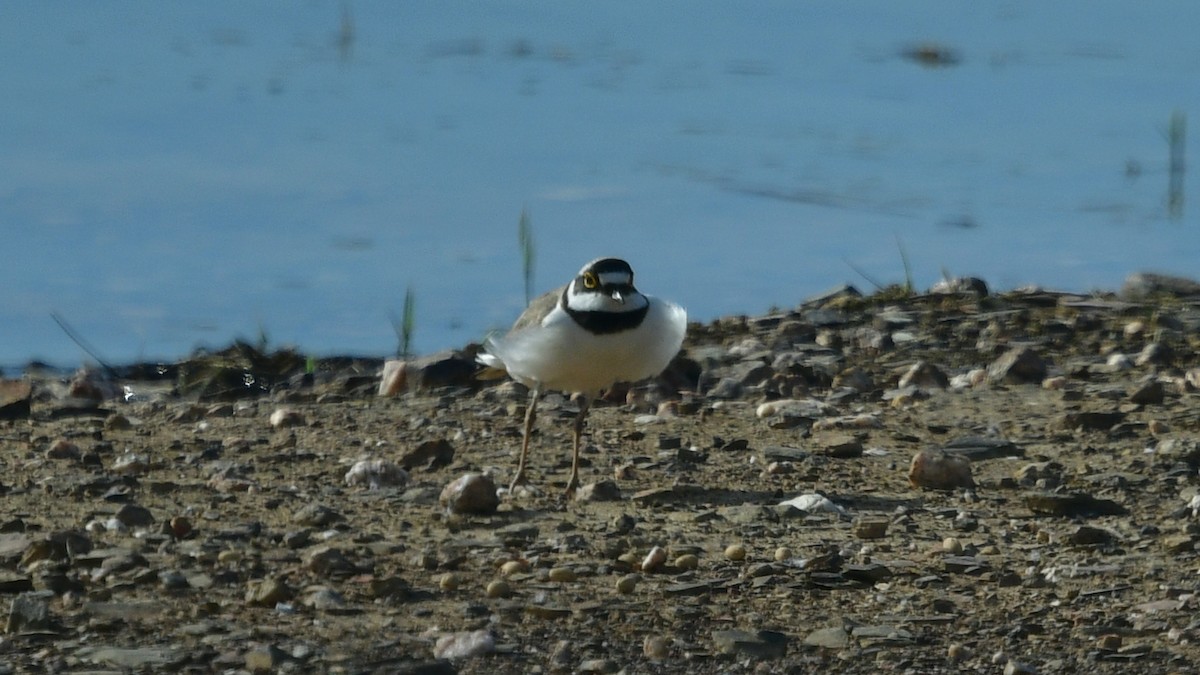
(1075, 504)
(15, 398)
(763, 644)
(1020, 365)
(834, 637)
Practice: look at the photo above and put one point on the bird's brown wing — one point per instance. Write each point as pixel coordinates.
(537, 310)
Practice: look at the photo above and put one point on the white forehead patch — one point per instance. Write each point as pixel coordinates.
(617, 278)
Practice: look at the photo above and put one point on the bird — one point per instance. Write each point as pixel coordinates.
(582, 338)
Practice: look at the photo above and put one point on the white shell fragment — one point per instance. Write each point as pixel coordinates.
(814, 502)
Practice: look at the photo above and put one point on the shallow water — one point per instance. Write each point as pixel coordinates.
(178, 175)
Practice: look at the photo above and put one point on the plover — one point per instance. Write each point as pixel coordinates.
(583, 338)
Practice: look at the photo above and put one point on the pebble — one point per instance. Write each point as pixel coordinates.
(627, 584)
(472, 493)
(29, 613)
(511, 567)
(498, 588)
(735, 552)
(283, 418)
(375, 474)
(783, 553)
(763, 644)
(63, 449)
(1017, 366)
(939, 470)
(655, 647)
(464, 645)
(687, 562)
(654, 559)
(268, 593)
(870, 528)
(814, 503)
(562, 575)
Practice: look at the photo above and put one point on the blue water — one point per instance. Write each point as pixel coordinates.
(179, 174)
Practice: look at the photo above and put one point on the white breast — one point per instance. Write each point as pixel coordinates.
(563, 356)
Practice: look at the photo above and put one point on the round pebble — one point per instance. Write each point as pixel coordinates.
(627, 584)
(562, 575)
(499, 589)
(450, 581)
(735, 552)
(687, 561)
(952, 545)
(654, 559)
(655, 647)
(783, 553)
(514, 567)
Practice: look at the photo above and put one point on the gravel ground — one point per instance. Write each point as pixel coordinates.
(301, 526)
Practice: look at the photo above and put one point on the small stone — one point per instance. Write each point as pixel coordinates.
(687, 562)
(464, 645)
(1179, 543)
(956, 652)
(499, 588)
(938, 470)
(1086, 535)
(598, 666)
(268, 593)
(327, 561)
(627, 584)
(180, 527)
(132, 515)
(1109, 642)
(63, 449)
(395, 378)
(1056, 383)
(783, 553)
(654, 559)
(828, 638)
(30, 612)
(924, 375)
(265, 659)
(1017, 366)
(450, 581)
(429, 456)
(761, 644)
(562, 574)
(655, 647)
(843, 447)
(316, 515)
(873, 528)
(283, 418)
(375, 474)
(15, 398)
(602, 491)
(735, 552)
(512, 567)
(1150, 393)
(117, 422)
(470, 493)
(952, 546)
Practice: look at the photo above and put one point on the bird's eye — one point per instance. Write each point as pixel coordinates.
(589, 280)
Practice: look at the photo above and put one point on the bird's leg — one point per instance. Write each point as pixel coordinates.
(530, 414)
(585, 402)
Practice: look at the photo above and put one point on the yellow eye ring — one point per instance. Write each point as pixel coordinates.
(589, 281)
